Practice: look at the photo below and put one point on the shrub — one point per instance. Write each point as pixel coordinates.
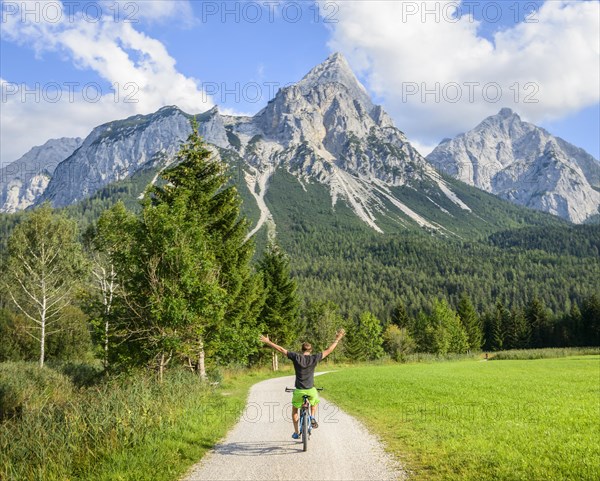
(26, 387)
(81, 374)
(397, 342)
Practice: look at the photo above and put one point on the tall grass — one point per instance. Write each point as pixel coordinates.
(547, 353)
(63, 432)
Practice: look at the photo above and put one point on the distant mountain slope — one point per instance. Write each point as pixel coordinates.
(324, 129)
(524, 164)
(23, 181)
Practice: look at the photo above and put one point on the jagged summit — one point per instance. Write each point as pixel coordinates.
(525, 164)
(25, 179)
(336, 69)
(325, 130)
(506, 112)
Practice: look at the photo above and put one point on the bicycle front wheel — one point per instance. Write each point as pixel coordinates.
(305, 424)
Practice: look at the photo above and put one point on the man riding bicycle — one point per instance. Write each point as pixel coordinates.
(304, 366)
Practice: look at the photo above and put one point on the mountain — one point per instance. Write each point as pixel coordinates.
(24, 180)
(328, 171)
(323, 131)
(524, 164)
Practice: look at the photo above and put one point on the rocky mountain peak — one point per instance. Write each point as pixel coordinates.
(25, 179)
(335, 69)
(525, 164)
(506, 112)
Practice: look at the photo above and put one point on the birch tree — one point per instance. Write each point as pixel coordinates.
(106, 239)
(45, 263)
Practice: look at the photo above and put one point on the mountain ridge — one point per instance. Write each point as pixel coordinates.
(322, 129)
(525, 164)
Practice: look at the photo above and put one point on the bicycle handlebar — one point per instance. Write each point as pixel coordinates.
(292, 389)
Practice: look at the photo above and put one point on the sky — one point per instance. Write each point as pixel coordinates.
(437, 67)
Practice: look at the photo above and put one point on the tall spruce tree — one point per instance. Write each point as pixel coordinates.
(450, 335)
(471, 323)
(364, 338)
(187, 286)
(215, 204)
(170, 297)
(521, 335)
(493, 336)
(399, 316)
(539, 323)
(590, 318)
(423, 332)
(281, 306)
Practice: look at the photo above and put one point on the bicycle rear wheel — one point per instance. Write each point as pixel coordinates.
(305, 424)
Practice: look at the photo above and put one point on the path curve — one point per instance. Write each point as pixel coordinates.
(260, 446)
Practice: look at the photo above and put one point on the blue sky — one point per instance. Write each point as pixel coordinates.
(197, 54)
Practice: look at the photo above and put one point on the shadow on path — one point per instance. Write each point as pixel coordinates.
(262, 448)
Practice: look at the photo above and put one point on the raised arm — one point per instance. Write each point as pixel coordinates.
(341, 333)
(269, 343)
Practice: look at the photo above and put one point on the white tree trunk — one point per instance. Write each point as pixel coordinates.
(43, 325)
(161, 367)
(43, 342)
(201, 364)
(107, 284)
(275, 361)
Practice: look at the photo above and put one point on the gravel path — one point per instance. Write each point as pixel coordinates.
(260, 446)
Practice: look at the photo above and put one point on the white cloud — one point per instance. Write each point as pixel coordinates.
(136, 66)
(553, 61)
(150, 10)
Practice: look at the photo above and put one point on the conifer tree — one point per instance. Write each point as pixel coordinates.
(423, 332)
(539, 323)
(493, 336)
(364, 338)
(400, 316)
(470, 321)
(575, 325)
(521, 336)
(590, 315)
(450, 335)
(281, 307)
(215, 204)
(187, 286)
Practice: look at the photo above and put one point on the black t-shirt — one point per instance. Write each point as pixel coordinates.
(304, 365)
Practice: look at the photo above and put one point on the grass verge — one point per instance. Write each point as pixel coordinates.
(505, 420)
(124, 429)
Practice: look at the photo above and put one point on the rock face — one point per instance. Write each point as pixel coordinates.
(524, 164)
(323, 129)
(23, 181)
(326, 130)
(116, 150)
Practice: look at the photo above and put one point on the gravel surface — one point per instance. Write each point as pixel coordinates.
(260, 446)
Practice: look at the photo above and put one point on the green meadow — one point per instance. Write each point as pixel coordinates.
(471, 420)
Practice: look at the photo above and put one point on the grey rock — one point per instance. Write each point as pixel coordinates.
(23, 181)
(525, 164)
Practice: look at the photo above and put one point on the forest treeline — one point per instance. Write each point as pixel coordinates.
(175, 281)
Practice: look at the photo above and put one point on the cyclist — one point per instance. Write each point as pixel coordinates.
(304, 366)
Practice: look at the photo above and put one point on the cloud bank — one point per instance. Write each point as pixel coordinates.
(438, 76)
(135, 73)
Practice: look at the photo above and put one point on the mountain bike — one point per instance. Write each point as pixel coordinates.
(305, 425)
